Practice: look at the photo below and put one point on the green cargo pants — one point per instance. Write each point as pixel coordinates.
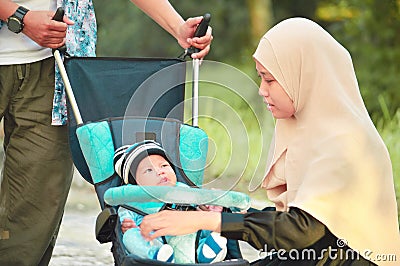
(37, 169)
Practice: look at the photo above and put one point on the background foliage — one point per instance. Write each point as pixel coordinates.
(369, 29)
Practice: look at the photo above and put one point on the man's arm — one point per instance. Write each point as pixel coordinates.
(38, 25)
(7, 8)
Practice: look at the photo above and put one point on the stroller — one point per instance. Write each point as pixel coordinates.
(121, 101)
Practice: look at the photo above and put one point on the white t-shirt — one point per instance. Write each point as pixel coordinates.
(18, 48)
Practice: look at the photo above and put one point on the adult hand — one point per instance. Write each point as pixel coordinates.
(185, 37)
(178, 223)
(41, 28)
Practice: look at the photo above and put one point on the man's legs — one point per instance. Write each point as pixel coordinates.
(37, 170)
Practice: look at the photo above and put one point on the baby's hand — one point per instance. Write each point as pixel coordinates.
(127, 224)
(213, 208)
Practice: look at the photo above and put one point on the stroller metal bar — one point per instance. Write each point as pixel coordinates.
(195, 93)
(68, 88)
(200, 31)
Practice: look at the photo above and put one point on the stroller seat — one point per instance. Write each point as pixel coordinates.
(192, 163)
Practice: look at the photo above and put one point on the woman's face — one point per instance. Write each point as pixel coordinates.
(274, 96)
(154, 170)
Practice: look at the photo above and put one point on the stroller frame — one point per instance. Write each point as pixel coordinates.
(107, 224)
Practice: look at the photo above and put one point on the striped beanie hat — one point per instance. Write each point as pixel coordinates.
(128, 157)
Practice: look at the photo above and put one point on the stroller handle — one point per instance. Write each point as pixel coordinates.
(57, 55)
(58, 16)
(200, 31)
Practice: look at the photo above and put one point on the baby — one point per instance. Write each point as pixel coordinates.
(146, 164)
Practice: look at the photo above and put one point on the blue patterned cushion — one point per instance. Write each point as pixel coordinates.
(97, 147)
(193, 147)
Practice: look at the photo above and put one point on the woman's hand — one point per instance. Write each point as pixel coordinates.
(179, 223)
(127, 224)
(185, 37)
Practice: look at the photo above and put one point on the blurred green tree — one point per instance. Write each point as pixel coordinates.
(369, 29)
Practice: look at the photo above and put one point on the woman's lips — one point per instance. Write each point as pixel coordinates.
(269, 105)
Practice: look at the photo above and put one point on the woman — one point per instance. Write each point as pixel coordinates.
(329, 172)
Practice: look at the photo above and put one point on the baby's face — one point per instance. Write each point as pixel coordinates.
(154, 170)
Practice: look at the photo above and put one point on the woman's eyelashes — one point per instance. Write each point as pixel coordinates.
(265, 78)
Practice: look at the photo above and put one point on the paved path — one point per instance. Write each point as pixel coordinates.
(77, 244)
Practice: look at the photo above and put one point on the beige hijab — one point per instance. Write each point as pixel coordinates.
(328, 159)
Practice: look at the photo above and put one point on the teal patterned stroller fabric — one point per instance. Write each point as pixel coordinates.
(98, 148)
(96, 143)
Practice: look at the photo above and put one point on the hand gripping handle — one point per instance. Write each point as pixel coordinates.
(200, 32)
(68, 89)
(58, 16)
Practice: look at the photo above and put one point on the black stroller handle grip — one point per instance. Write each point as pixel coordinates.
(58, 16)
(203, 26)
(200, 32)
